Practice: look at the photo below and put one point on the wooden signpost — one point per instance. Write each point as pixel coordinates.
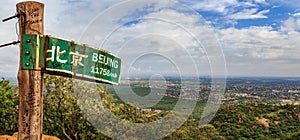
(41, 54)
(30, 121)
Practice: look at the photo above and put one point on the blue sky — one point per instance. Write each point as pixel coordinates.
(196, 37)
(245, 13)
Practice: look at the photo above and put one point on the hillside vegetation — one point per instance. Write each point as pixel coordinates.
(64, 118)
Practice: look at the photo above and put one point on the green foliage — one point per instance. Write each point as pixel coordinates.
(62, 116)
(195, 132)
(236, 121)
(8, 108)
(68, 103)
(72, 106)
(118, 120)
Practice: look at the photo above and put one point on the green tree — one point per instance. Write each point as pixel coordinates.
(68, 103)
(8, 108)
(195, 132)
(62, 116)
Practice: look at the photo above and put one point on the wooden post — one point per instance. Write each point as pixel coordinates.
(30, 121)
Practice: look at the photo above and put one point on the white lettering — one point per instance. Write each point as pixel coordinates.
(102, 59)
(58, 53)
(115, 64)
(52, 51)
(95, 57)
(77, 58)
(103, 71)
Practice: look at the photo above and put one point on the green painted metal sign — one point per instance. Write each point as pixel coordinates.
(68, 58)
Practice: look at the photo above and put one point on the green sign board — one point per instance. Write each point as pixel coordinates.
(68, 58)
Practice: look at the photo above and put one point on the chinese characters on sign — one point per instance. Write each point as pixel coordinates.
(70, 58)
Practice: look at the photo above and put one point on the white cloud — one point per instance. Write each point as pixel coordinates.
(249, 14)
(296, 14)
(227, 7)
(291, 24)
(286, 3)
(211, 5)
(256, 50)
(261, 1)
(164, 32)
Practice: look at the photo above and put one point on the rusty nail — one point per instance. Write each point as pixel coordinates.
(27, 64)
(28, 41)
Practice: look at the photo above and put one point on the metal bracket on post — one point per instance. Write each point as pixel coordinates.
(29, 51)
(7, 19)
(12, 17)
(8, 44)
